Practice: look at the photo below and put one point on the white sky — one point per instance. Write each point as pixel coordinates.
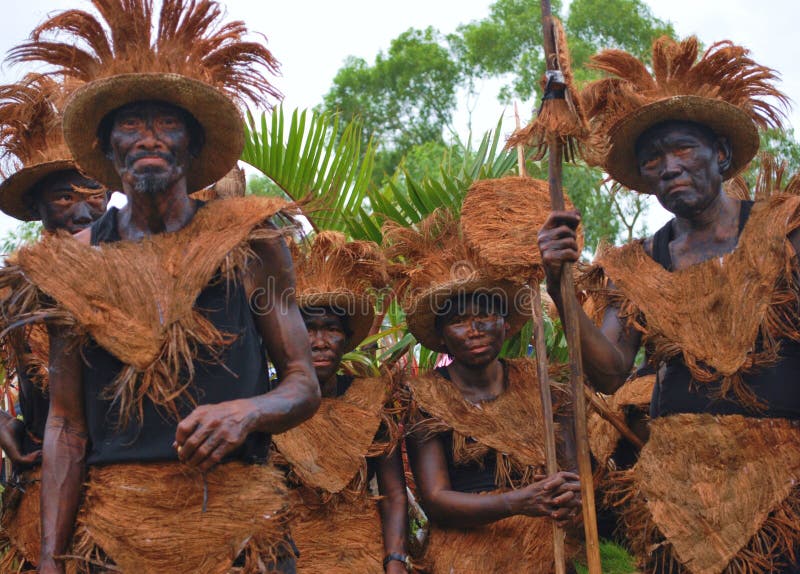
(312, 38)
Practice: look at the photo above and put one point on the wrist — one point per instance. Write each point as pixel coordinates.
(398, 557)
(510, 502)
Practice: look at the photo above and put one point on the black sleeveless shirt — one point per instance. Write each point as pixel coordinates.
(775, 386)
(241, 372)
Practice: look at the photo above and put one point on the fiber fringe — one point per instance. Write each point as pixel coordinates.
(20, 532)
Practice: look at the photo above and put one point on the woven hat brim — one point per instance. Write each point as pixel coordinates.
(219, 117)
(723, 118)
(422, 310)
(14, 189)
(360, 312)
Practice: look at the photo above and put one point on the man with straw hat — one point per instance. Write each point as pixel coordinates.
(713, 297)
(337, 525)
(161, 318)
(476, 440)
(41, 182)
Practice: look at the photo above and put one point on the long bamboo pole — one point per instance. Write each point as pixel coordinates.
(571, 325)
(551, 460)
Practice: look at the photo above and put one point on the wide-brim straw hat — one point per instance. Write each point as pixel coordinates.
(722, 118)
(216, 113)
(422, 309)
(14, 190)
(359, 310)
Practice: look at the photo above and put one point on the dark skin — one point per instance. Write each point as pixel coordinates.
(150, 142)
(60, 206)
(473, 338)
(682, 165)
(328, 336)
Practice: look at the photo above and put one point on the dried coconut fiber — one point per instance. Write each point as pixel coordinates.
(698, 314)
(434, 265)
(561, 115)
(722, 89)
(140, 305)
(347, 275)
(771, 180)
(603, 437)
(190, 59)
(139, 517)
(20, 531)
(328, 450)
(343, 536)
(713, 494)
(501, 219)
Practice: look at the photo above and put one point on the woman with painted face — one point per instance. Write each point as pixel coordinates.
(476, 437)
(338, 524)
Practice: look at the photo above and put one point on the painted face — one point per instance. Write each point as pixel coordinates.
(682, 165)
(60, 206)
(149, 145)
(328, 337)
(474, 333)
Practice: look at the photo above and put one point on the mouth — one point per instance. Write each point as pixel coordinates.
(478, 349)
(322, 361)
(678, 188)
(149, 161)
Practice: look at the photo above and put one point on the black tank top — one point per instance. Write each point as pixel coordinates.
(675, 392)
(241, 373)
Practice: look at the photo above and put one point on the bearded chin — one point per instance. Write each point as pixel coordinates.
(151, 183)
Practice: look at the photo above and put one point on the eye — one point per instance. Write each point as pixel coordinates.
(168, 122)
(683, 150)
(129, 123)
(650, 162)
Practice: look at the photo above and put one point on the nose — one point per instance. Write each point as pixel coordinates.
(148, 138)
(318, 342)
(671, 166)
(81, 213)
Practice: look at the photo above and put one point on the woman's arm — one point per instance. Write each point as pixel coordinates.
(393, 506)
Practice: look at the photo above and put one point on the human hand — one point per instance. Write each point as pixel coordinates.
(11, 432)
(558, 243)
(553, 496)
(211, 432)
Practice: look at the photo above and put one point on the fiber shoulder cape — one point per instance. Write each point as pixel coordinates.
(136, 299)
(336, 523)
(711, 314)
(512, 428)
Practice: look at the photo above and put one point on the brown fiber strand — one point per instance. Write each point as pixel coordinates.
(20, 532)
(772, 179)
(726, 500)
(149, 519)
(329, 450)
(724, 72)
(698, 311)
(500, 220)
(189, 40)
(563, 118)
(139, 305)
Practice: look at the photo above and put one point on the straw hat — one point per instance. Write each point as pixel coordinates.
(437, 265)
(724, 90)
(194, 61)
(348, 275)
(31, 140)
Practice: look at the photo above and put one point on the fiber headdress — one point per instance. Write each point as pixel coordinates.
(724, 90)
(192, 60)
(346, 275)
(31, 142)
(436, 265)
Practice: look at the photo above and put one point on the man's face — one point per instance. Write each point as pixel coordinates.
(474, 333)
(681, 164)
(328, 337)
(60, 206)
(149, 144)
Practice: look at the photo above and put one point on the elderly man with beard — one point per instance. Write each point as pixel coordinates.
(163, 314)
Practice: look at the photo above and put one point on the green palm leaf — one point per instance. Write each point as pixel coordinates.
(313, 156)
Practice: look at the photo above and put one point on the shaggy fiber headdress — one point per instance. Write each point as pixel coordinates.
(31, 142)
(189, 59)
(724, 90)
(346, 275)
(437, 264)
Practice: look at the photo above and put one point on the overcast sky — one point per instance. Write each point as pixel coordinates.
(312, 38)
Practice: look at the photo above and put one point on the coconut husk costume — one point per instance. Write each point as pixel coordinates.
(506, 432)
(165, 323)
(335, 521)
(714, 488)
(32, 148)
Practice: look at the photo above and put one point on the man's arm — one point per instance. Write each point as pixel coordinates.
(63, 452)
(393, 507)
(609, 351)
(212, 431)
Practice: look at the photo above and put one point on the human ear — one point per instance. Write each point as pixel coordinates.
(724, 154)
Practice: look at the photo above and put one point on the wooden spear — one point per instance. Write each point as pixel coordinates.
(570, 310)
(540, 345)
